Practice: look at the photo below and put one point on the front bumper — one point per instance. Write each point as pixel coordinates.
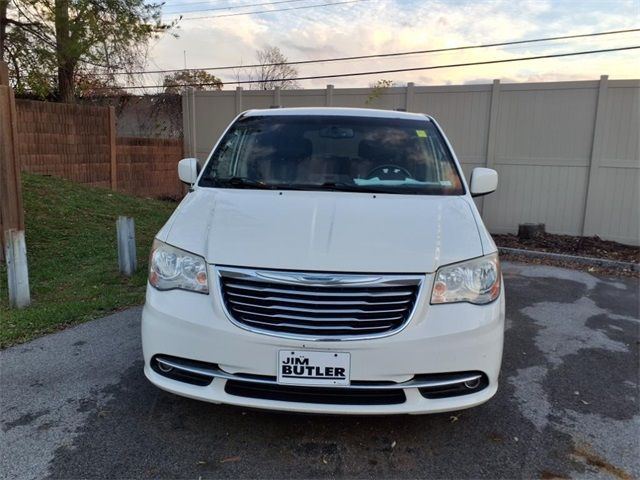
(438, 339)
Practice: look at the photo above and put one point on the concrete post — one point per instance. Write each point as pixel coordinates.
(17, 270)
(126, 233)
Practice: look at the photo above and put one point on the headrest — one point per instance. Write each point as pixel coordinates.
(375, 151)
(294, 148)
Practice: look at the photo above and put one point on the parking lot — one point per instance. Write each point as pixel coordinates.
(76, 404)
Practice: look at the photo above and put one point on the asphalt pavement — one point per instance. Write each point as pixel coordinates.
(76, 404)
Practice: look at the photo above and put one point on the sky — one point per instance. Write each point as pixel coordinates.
(382, 26)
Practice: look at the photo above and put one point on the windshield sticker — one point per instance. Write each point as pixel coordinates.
(446, 183)
(421, 133)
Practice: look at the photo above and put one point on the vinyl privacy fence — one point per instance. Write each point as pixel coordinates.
(567, 153)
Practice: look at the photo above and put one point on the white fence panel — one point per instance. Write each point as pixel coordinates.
(568, 153)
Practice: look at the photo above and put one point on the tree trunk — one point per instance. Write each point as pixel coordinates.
(3, 25)
(66, 62)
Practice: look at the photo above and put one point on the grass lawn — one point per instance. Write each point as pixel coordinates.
(72, 255)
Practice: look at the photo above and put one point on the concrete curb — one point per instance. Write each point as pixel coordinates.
(600, 262)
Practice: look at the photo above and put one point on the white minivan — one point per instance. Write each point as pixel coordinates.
(327, 260)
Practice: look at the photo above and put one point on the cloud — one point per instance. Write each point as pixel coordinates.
(403, 25)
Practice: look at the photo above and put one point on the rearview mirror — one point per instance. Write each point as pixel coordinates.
(336, 132)
(188, 170)
(483, 181)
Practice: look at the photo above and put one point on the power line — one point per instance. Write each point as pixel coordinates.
(259, 12)
(382, 55)
(398, 70)
(176, 3)
(231, 7)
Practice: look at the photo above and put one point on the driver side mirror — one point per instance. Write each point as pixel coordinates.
(483, 181)
(188, 170)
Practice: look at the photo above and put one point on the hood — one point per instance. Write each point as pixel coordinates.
(324, 231)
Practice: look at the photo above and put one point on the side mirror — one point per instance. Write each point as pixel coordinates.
(483, 181)
(188, 170)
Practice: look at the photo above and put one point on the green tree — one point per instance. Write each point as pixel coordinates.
(52, 44)
(377, 89)
(198, 79)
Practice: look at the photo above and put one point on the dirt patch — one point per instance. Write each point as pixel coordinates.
(546, 475)
(585, 454)
(573, 265)
(581, 246)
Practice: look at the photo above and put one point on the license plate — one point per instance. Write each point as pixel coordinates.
(313, 368)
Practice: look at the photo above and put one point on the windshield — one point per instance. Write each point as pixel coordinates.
(321, 152)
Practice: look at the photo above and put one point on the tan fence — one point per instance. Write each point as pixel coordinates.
(568, 153)
(78, 142)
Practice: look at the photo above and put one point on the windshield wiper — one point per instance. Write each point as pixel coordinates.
(241, 182)
(347, 187)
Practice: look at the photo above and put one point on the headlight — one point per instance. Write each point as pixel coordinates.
(171, 268)
(475, 281)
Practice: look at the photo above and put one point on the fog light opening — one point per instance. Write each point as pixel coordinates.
(164, 368)
(472, 384)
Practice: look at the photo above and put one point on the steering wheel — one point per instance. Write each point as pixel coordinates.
(389, 172)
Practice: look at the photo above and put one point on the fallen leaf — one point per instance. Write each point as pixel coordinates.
(230, 459)
(393, 444)
(454, 418)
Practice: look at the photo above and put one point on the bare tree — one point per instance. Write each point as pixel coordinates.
(273, 71)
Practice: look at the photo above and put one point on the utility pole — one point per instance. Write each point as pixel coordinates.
(12, 238)
(4, 4)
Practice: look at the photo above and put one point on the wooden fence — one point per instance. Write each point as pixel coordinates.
(147, 166)
(78, 142)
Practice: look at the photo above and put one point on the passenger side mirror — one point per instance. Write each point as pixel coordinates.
(188, 170)
(483, 181)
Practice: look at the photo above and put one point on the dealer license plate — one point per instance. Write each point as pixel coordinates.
(313, 368)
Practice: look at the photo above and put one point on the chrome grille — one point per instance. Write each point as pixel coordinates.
(318, 305)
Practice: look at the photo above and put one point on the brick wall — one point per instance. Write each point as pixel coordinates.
(76, 142)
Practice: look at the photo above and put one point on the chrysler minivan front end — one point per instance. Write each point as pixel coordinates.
(331, 261)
